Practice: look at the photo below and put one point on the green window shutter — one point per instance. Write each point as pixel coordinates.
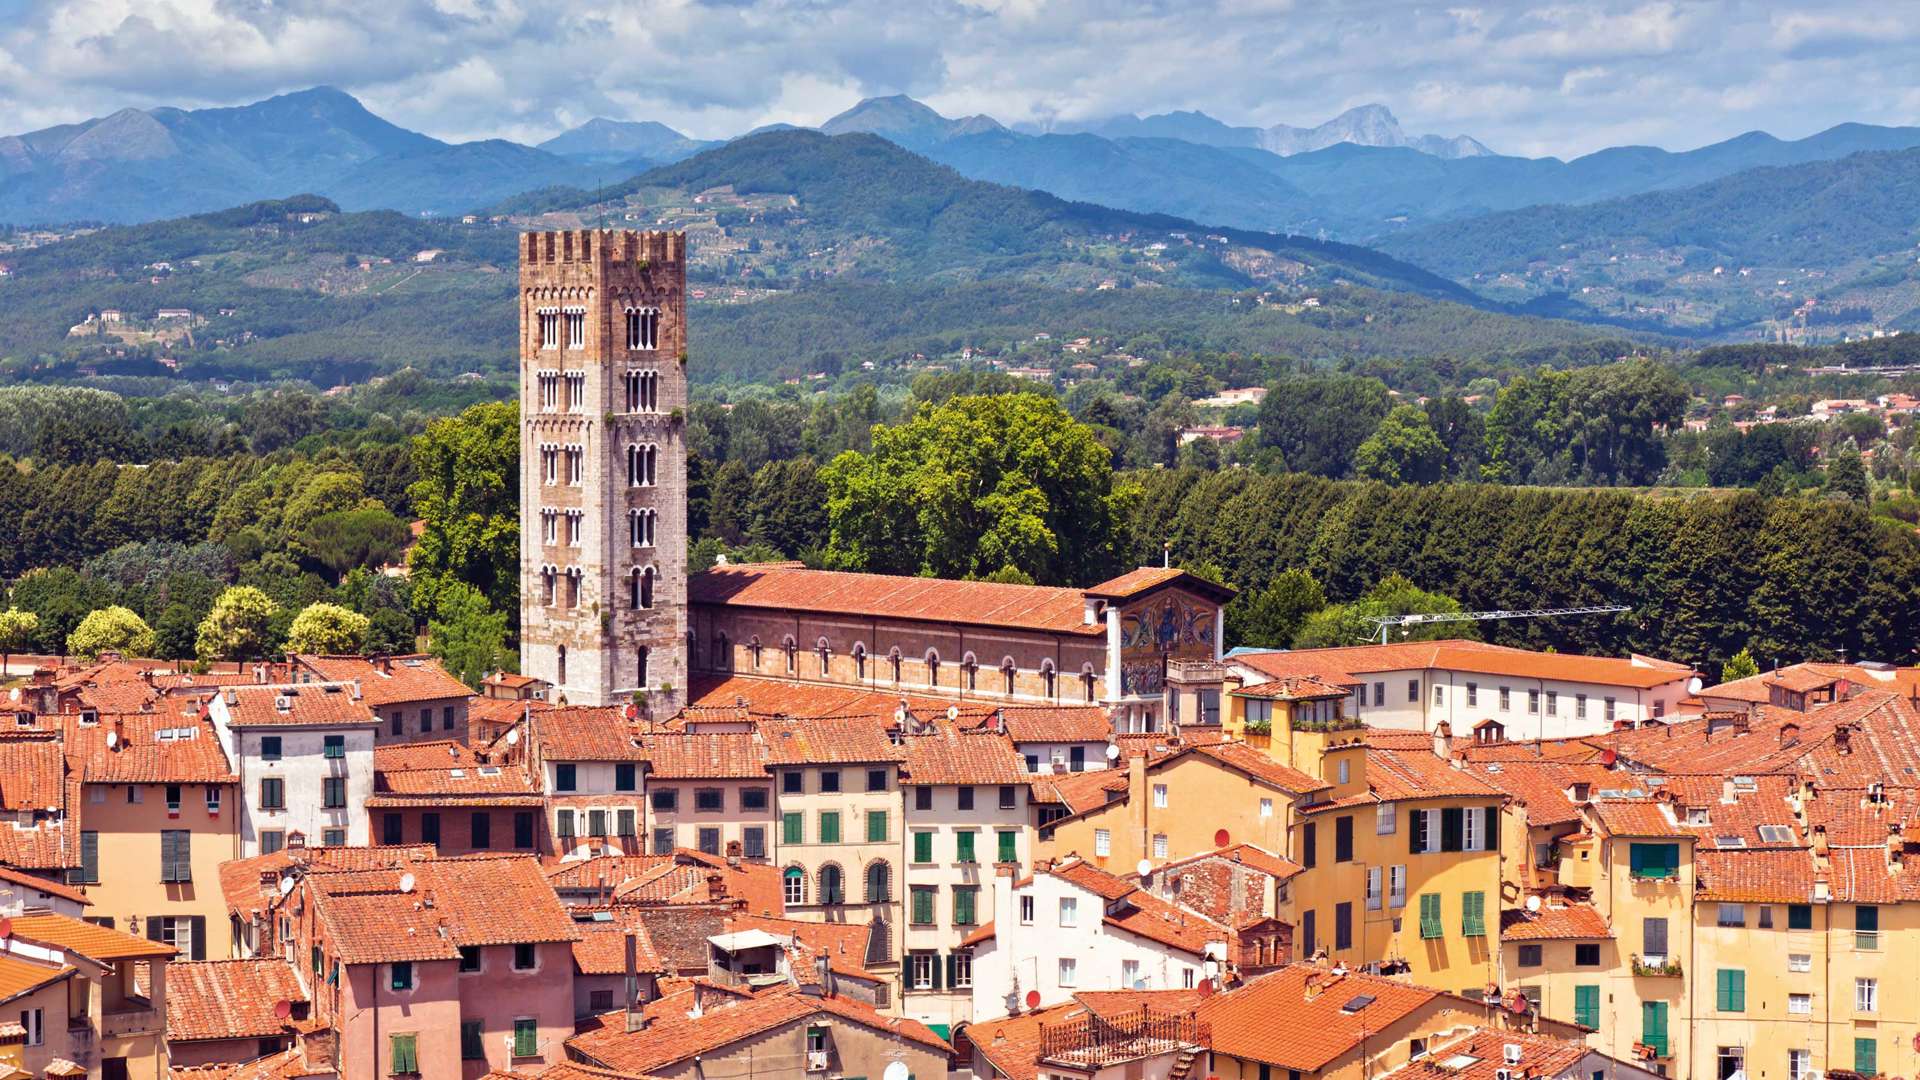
(526, 1038)
(1473, 914)
(1653, 1026)
(1430, 915)
(1730, 990)
(793, 828)
(876, 826)
(1586, 1006)
(400, 1050)
(922, 905)
(963, 846)
(1009, 850)
(963, 905)
(470, 1046)
(1866, 1057)
(923, 847)
(829, 826)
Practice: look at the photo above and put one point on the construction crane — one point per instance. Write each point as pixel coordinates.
(1386, 622)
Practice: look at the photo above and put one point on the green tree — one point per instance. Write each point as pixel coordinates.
(1347, 624)
(468, 499)
(344, 539)
(1403, 450)
(16, 633)
(1846, 476)
(1271, 617)
(468, 636)
(237, 627)
(111, 629)
(175, 632)
(327, 628)
(1740, 666)
(975, 484)
(1318, 421)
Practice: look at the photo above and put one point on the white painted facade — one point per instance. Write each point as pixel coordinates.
(302, 768)
(19, 897)
(596, 787)
(934, 988)
(1048, 935)
(1041, 757)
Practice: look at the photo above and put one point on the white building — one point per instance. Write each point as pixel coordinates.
(1063, 739)
(1532, 695)
(304, 757)
(591, 770)
(1075, 927)
(967, 813)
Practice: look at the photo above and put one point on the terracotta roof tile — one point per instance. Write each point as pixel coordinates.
(1059, 724)
(32, 773)
(1259, 766)
(1544, 786)
(302, 705)
(602, 948)
(1540, 1055)
(1556, 920)
(586, 733)
(1778, 875)
(228, 999)
(423, 771)
(978, 603)
(1298, 688)
(1638, 817)
(705, 756)
(19, 975)
(46, 885)
(1418, 774)
(148, 748)
(767, 697)
(475, 900)
(673, 1036)
(87, 939)
(1295, 1017)
(240, 879)
(1250, 855)
(843, 944)
(1467, 656)
(397, 680)
(1081, 791)
(1141, 913)
(946, 756)
(827, 741)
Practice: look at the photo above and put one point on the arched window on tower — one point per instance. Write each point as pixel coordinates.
(933, 668)
(860, 662)
(653, 460)
(546, 585)
(826, 664)
(722, 652)
(1047, 677)
(893, 658)
(792, 649)
(1086, 682)
(636, 467)
(753, 647)
(643, 588)
(1006, 677)
(970, 671)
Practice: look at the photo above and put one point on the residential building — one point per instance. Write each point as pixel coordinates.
(1099, 1034)
(705, 1030)
(1072, 927)
(1485, 1054)
(459, 800)
(45, 838)
(967, 818)
(258, 909)
(159, 814)
(303, 757)
(22, 892)
(1062, 739)
(414, 696)
(709, 791)
(226, 1012)
(437, 967)
(1415, 685)
(91, 998)
(1245, 888)
(589, 764)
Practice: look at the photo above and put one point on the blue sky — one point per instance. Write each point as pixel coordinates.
(1525, 78)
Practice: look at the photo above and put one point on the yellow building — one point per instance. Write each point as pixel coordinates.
(1188, 799)
(1402, 865)
(157, 817)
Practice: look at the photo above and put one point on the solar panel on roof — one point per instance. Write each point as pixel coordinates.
(1357, 1003)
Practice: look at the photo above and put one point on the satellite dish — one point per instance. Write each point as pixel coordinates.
(1608, 757)
(406, 883)
(1211, 968)
(1533, 903)
(513, 737)
(1033, 999)
(6, 929)
(896, 1070)
(13, 694)
(1694, 684)
(286, 885)
(953, 713)
(1221, 838)
(1140, 983)
(1205, 988)
(113, 740)
(1113, 751)
(899, 716)
(283, 1008)
(1144, 868)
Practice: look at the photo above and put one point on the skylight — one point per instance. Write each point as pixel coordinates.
(1357, 1004)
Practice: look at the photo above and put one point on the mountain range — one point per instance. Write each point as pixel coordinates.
(1366, 125)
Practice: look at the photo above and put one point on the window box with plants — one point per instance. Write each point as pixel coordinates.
(1666, 967)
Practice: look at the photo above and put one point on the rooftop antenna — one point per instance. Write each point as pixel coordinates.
(1166, 554)
(1385, 622)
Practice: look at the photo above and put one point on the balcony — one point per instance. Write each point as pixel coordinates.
(135, 1016)
(1090, 1043)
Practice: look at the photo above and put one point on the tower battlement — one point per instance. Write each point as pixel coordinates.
(590, 246)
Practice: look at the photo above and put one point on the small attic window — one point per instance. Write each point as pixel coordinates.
(1745, 783)
(1775, 834)
(1698, 815)
(1730, 841)
(1357, 1003)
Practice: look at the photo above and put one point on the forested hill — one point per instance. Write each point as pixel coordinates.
(916, 219)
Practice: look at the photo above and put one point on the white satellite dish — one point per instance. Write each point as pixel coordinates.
(1694, 684)
(1533, 903)
(1113, 751)
(286, 885)
(13, 694)
(953, 713)
(895, 1070)
(113, 739)
(899, 716)
(513, 737)
(1144, 868)
(406, 883)
(1211, 968)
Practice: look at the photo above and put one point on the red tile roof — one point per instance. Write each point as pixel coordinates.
(303, 705)
(705, 756)
(476, 900)
(91, 941)
(240, 879)
(944, 755)
(228, 999)
(1057, 724)
(1253, 763)
(1418, 774)
(672, 1035)
(1477, 657)
(33, 773)
(1540, 1055)
(148, 748)
(1252, 856)
(1767, 876)
(940, 600)
(45, 885)
(1141, 913)
(396, 680)
(1637, 817)
(1543, 785)
(1556, 920)
(827, 742)
(1081, 791)
(586, 733)
(602, 948)
(1294, 1017)
(408, 773)
(843, 944)
(1298, 688)
(1146, 579)
(769, 697)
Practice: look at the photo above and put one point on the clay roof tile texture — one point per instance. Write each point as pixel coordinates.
(228, 999)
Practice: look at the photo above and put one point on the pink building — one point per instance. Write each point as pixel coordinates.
(443, 968)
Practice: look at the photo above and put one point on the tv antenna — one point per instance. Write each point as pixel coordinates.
(1387, 622)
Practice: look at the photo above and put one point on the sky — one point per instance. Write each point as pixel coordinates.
(1525, 78)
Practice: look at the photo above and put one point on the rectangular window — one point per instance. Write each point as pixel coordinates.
(626, 776)
(1580, 706)
(273, 793)
(965, 902)
(526, 1037)
(1653, 937)
(401, 1057)
(1866, 995)
(665, 800)
(1586, 1006)
(1529, 955)
(176, 855)
(564, 776)
(963, 846)
(1374, 882)
(563, 826)
(1866, 1056)
(470, 1045)
(708, 840)
(1653, 1026)
(1159, 796)
(1654, 861)
(272, 840)
(1069, 971)
(1343, 925)
(1103, 842)
(1799, 916)
(792, 783)
(1413, 691)
(793, 828)
(1586, 955)
(34, 1021)
(1506, 699)
(1799, 1064)
(1379, 695)
(922, 897)
(1799, 961)
(920, 970)
(753, 841)
(1533, 702)
(829, 780)
(391, 828)
(1009, 797)
(709, 800)
(1731, 915)
(469, 958)
(625, 822)
(1730, 990)
(1160, 845)
(270, 748)
(525, 956)
(1473, 914)
(523, 829)
(430, 828)
(753, 798)
(922, 847)
(876, 779)
(1383, 820)
(829, 826)
(88, 872)
(1800, 1004)
(876, 826)
(333, 792)
(1397, 887)
(962, 969)
(400, 975)
(1309, 932)
(1430, 915)
(1009, 846)
(1309, 845)
(1069, 911)
(334, 747)
(1343, 838)
(1553, 703)
(1866, 927)
(1473, 695)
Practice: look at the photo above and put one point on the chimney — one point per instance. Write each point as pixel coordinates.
(1843, 738)
(1442, 740)
(716, 887)
(317, 1048)
(1896, 845)
(1820, 841)
(1822, 889)
(1137, 799)
(1727, 795)
(632, 982)
(383, 664)
(699, 1001)
(1789, 733)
